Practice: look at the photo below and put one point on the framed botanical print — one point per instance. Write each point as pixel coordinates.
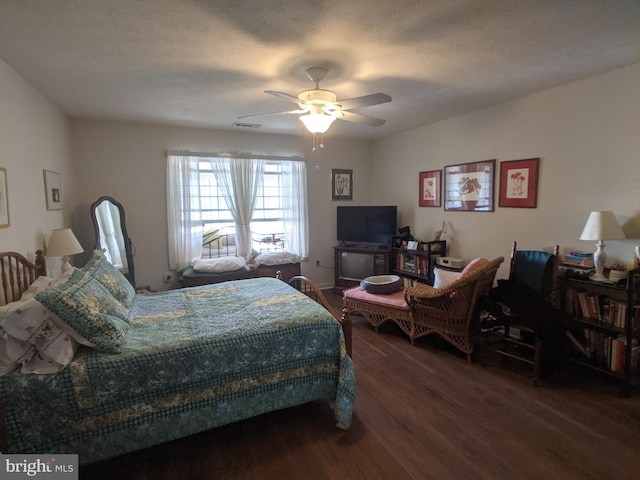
(519, 183)
(430, 189)
(4, 199)
(341, 184)
(469, 187)
(52, 190)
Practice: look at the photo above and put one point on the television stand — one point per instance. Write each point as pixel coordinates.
(354, 262)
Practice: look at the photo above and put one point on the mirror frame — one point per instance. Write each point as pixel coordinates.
(128, 245)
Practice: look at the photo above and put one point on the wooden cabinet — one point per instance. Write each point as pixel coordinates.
(416, 265)
(355, 263)
(603, 326)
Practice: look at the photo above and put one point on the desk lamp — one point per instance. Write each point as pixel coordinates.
(63, 243)
(601, 226)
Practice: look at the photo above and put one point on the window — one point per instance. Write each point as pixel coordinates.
(218, 193)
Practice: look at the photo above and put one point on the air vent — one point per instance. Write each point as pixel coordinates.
(246, 125)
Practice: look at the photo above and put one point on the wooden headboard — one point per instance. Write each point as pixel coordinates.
(17, 274)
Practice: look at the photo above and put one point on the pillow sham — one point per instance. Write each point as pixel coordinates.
(219, 265)
(474, 264)
(444, 278)
(276, 258)
(100, 269)
(33, 339)
(89, 310)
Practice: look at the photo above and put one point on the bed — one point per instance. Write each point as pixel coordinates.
(184, 361)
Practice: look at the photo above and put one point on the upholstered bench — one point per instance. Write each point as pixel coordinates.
(379, 308)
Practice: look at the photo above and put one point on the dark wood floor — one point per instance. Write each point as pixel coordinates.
(421, 412)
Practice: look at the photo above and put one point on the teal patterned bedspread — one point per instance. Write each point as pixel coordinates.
(193, 359)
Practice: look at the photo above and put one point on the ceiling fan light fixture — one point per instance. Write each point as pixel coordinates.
(317, 123)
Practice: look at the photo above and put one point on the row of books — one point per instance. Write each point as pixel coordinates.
(578, 263)
(416, 264)
(409, 282)
(592, 306)
(605, 351)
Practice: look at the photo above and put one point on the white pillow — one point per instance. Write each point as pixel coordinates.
(444, 278)
(219, 265)
(276, 258)
(32, 337)
(38, 285)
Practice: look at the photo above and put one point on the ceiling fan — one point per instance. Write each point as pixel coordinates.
(319, 107)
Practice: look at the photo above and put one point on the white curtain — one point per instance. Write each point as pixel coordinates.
(183, 220)
(239, 179)
(296, 221)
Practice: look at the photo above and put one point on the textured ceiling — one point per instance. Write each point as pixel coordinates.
(204, 63)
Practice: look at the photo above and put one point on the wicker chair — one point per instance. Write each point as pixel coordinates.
(450, 312)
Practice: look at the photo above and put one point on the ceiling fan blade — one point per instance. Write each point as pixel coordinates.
(299, 112)
(358, 118)
(284, 95)
(364, 101)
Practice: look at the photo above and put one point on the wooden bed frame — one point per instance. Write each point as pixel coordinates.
(17, 273)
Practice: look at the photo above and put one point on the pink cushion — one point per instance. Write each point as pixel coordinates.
(394, 300)
(473, 264)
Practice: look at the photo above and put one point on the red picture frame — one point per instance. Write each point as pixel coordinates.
(430, 189)
(519, 183)
(469, 187)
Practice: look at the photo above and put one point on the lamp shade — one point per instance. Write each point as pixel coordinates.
(317, 123)
(602, 226)
(62, 243)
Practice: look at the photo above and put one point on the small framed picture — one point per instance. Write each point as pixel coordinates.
(4, 199)
(430, 189)
(52, 191)
(469, 187)
(519, 183)
(341, 184)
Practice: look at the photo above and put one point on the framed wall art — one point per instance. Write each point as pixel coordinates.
(430, 189)
(4, 199)
(469, 187)
(52, 190)
(519, 183)
(341, 184)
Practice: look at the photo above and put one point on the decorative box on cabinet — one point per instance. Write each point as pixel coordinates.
(417, 265)
(604, 326)
(355, 263)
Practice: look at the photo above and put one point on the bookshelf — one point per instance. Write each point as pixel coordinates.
(604, 326)
(416, 265)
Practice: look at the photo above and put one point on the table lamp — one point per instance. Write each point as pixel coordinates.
(601, 226)
(63, 243)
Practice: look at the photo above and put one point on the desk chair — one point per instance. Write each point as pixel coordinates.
(520, 318)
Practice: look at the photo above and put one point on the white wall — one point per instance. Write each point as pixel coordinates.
(34, 136)
(586, 133)
(587, 136)
(127, 161)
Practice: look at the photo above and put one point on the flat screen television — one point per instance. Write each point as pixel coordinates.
(370, 224)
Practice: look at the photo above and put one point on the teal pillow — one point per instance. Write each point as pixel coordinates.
(90, 310)
(99, 268)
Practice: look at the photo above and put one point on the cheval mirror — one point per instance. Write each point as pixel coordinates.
(111, 235)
